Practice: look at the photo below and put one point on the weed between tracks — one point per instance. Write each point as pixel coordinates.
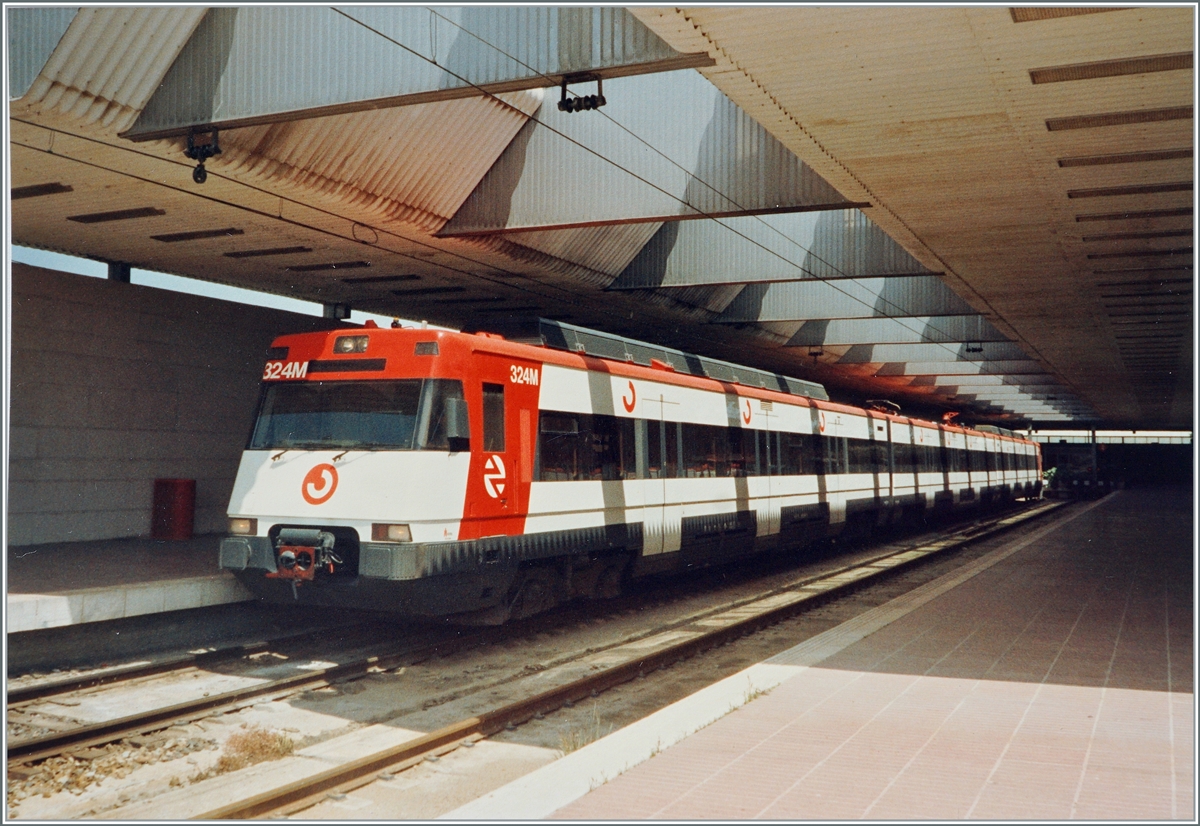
(579, 736)
(245, 748)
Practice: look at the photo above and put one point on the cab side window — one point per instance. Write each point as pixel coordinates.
(493, 418)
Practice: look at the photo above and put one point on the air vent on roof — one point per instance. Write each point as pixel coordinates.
(1029, 15)
(1138, 189)
(270, 251)
(38, 190)
(1119, 118)
(1128, 157)
(1112, 68)
(1124, 216)
(561, 336)
(118, 215)
(198, 235)
(340, 265)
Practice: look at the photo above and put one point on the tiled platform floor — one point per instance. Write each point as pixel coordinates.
(73, 582)
(1056, 684)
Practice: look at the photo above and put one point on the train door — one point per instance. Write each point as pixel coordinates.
(658, 463)
(879, 435)
(501, 447)
(768, 466)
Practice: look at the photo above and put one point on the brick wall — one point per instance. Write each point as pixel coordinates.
(114, 385)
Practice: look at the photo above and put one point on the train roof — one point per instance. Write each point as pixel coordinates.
(577, 342)
(560, 336)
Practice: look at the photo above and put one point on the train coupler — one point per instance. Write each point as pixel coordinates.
(301, 552)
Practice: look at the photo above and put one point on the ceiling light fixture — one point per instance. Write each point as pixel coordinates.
(1119, 118)
(200, 147)
(338, 265)
(271, 251)
(118, 215)
(37, 190)
(198, 235)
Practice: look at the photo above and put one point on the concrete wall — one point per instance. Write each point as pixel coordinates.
(114, 385)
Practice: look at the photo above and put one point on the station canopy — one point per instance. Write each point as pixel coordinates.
(984, 210)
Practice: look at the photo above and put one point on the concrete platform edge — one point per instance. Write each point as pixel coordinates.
(32, 612)
(543, 792)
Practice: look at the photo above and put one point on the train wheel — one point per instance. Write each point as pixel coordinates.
(538, 589)
(602, 578)
(611, 581)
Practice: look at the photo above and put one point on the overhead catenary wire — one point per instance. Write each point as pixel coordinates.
(929, 325)
(567, 295)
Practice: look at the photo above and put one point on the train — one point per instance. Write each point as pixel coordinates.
(483, 477)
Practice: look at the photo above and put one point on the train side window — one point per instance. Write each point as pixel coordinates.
(835, 454)
(962, 460)
(796, 455)
(755, 464)
(559, 440)
(493, 418)
(672, 442)
(978, 461)
(582, 447)
(931, 462)
(767, 448)
(654, 450)
(739, 461)
(862, 456)
(626, 448)
(700, 450)
(612, 447)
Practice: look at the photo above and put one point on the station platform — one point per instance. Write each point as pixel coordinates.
(69, 583)
(1050, 679)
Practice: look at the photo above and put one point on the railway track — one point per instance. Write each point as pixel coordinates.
(689, 634)
(688, 638)
(40, 748)
(23, 695)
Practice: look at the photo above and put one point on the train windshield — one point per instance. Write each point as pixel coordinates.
(408, 414)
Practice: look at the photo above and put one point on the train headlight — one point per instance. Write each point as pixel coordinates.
(350, 344)
(243, 526)
(391, 533)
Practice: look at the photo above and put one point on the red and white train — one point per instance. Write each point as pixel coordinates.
(437, 473)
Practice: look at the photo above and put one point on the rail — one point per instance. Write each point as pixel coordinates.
(740, 620)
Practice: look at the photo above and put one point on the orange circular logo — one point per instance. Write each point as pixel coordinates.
(319, 484)
(631, 402)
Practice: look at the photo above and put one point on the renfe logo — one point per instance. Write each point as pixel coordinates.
(319, 484)
(746, 416)
(630, 402)
(493, 476)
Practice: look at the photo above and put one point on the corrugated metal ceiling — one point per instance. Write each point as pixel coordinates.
(1059, 238)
